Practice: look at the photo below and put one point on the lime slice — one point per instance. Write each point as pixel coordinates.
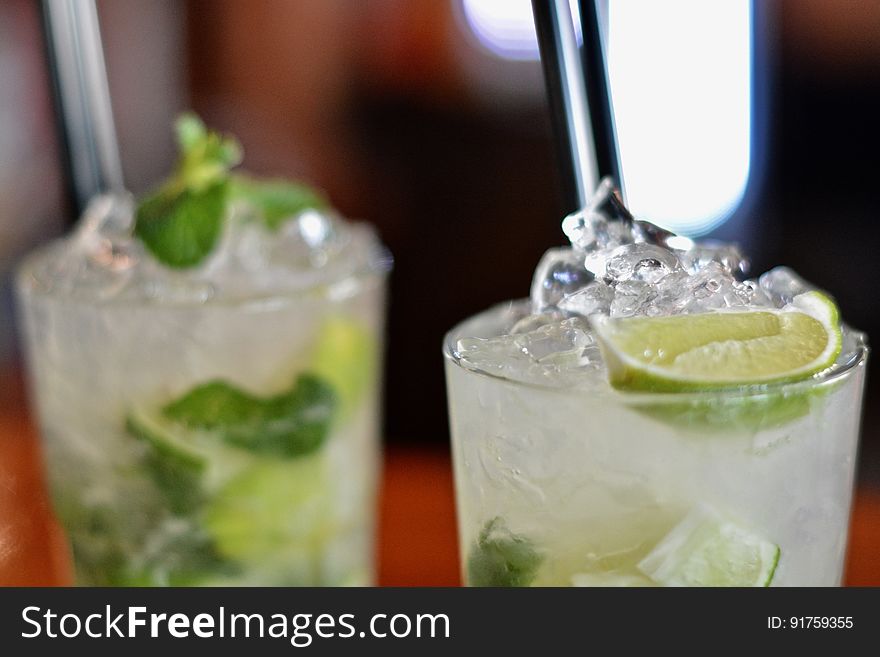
(705, 549)
(167, 439)
(345, 356)
(274, 508)
(186, 464)
(721, 349)
(611, 579)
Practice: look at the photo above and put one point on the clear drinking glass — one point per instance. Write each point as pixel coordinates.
(567, 486)
(276, 482)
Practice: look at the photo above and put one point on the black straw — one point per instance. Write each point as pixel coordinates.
(599, 93)
(564, 78)
(85, 117)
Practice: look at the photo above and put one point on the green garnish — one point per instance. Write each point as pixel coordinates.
(291, 424)
(274, 508)
(180, 230)
(502, 558)
(182, 221)
(205, 156)
(182, 558)
(345, 356)
(276, 200)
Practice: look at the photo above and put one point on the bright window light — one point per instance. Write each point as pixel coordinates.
(680, 73)
(505, 27)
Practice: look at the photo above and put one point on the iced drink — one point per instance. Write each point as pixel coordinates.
(204, 365)
(651, 417)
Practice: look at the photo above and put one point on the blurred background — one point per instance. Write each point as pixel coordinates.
(752, 122)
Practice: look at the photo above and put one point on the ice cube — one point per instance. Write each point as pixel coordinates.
(711, 288)
(646, 263)
(560, 351)
(315, 228)
(303, 242)
(589, 230)
(569, 336)
(530, 323)
(632, 297)
(500, 355)
(316, 234)
(551, 354)
(650, 233)
(561, 272)
(783, 285)
(107, 216)
(105, 233)
(603, 224)
(705, 252)
(670, 291)
(100, 259)
(607, 201)
(751, 294)
(595, 298)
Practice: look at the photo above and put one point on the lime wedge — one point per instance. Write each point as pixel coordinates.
(345, 356)
(721, 349)
(273, 508)
(167, 439)
(186, 464)
(705, 549)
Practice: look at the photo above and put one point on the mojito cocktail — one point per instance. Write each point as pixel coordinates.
(204, 365)
(650, 417)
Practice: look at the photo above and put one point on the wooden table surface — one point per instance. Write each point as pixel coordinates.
(417, 536)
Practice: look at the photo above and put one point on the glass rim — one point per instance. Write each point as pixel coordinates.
(380, 264)
(827, 377)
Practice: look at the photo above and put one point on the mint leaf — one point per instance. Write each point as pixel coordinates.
(176, 471)
(215, 405)
(183, 558)
(288, 425)
(276, 200)
(181, 486)
(502, 558)
(182, 221)
(180, 230)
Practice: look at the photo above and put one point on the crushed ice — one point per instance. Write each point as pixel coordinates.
(103, 260)
(618, 266)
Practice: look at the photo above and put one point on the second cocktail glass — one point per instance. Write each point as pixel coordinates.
(216, 424)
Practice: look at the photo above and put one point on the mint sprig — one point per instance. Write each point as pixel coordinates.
(502, 558)
(182, 221)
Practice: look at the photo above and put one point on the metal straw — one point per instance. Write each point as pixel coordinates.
(599, 93)
(85, 116)
(579, 97)
(566, 93)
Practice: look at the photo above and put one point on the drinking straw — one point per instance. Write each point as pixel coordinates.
(599, 93)
(566, 95)
(85, 117)
(579, 97)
